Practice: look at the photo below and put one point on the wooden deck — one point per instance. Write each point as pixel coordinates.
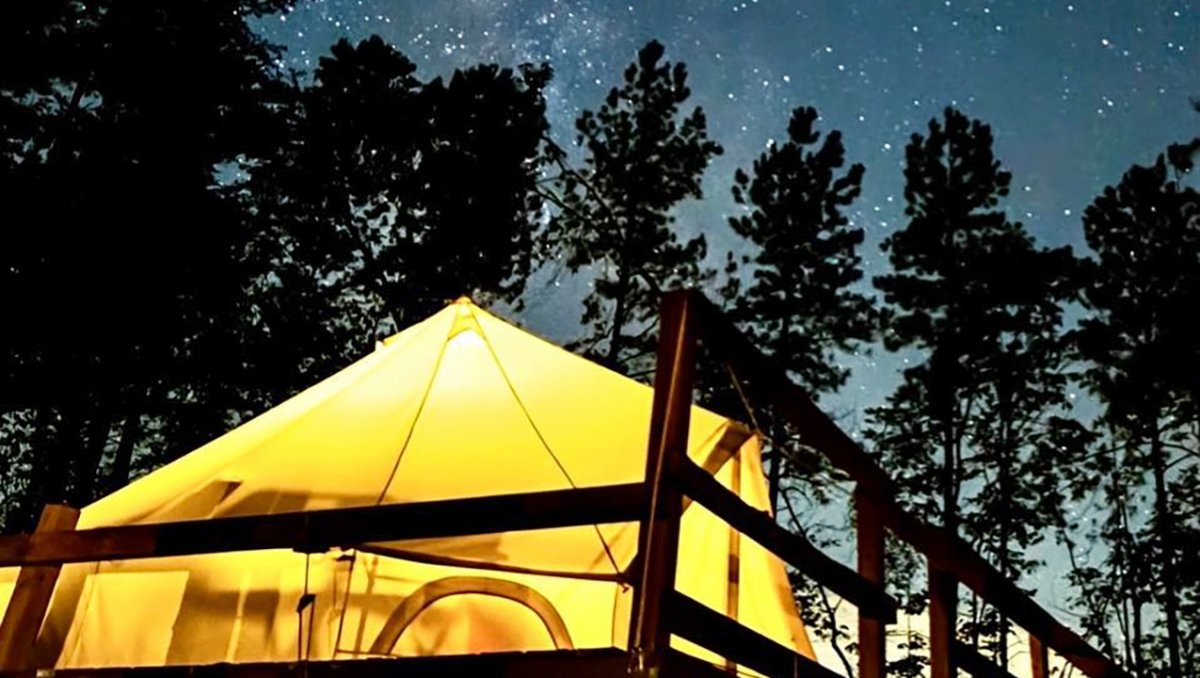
(594, 663)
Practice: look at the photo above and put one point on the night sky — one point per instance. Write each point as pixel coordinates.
(1075, 91)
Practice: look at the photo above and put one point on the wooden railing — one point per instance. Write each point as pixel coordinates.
(688, 319)
(659, 610)
(55, 542)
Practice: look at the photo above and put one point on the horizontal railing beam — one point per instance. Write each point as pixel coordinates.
(715, 632)
(792, 548)
(967, 659)
(315, 531)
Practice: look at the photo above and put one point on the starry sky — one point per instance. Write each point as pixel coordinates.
(1075, 90)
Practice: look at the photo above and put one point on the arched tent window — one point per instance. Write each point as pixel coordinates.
(436, 590)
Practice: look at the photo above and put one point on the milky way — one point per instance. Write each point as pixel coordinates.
(1075, 91)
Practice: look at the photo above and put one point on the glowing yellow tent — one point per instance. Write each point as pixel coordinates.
(460, 405)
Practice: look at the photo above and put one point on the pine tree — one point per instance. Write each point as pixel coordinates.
(390, 197)
(1142, 293)
(196, 238)
(967, 430)
(116, 116)
(642, 156)
(800, 308)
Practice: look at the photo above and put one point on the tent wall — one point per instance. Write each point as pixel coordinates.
(242, 607)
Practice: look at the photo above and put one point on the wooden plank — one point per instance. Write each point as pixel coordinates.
(1039, 658)
(31, 596)
(872, 629)
(765, 383)
(317, 531)
(943, 611)
(768, 385)
(968, 659)
(716, 632)
(658, 538)
(591, 663)
(794, 549)
(680, 665)
(730, 443)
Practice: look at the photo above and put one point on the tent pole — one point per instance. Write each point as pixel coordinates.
(658, 538)
(31, 597)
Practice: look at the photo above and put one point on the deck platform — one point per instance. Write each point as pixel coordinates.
(591, 663)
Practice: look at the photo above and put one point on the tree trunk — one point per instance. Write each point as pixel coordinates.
(615, 345)
(1139, 659)
(58, 454)
(118, 471)
(950, 475)
(1164, 525)
(1007, 458)
(1002, 651)
(950, 472)
(87, 467)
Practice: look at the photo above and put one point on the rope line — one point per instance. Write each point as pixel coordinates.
(538, 432)
(746, 404)
(437, 366)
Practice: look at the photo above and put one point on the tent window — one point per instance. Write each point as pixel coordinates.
(430, 593)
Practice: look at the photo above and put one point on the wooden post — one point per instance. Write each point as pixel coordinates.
(1039, 658)
(735, 554)
(943, 608)
(872, 641)
(658, 538)
(31, 596)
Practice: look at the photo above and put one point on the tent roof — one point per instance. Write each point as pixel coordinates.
(461, 404)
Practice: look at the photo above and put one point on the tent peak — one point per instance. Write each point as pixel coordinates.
(464, 317)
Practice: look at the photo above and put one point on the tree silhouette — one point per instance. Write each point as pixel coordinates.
(199, 238)
(391, 197)
(966, 432)
(1142, 292)
(641, 158)
(114, 236)
(800, 308)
